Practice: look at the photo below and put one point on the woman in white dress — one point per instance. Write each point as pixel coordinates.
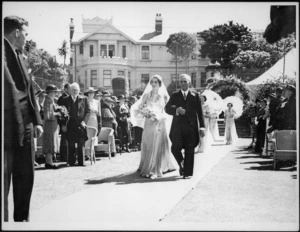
(95, 113)
(230, 130)
(156, 156)
(206, 113)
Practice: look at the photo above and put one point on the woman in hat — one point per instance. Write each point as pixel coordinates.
(109, 119)
(261, 122)
(51, 128)
(95, 114)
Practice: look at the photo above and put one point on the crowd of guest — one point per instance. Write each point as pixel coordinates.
(276, 111)
(67, 113)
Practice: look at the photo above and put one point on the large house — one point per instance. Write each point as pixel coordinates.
(102, 52)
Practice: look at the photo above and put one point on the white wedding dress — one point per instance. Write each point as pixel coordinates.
(156, 156)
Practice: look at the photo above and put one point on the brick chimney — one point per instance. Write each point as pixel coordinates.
(158, 24)
(71, 27)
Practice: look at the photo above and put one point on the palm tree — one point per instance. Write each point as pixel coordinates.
(63, 50)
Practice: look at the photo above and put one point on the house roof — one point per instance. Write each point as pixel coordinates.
(135, 34)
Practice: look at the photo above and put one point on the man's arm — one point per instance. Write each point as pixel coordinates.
(87, 111)
(200, 113)
(171, 107)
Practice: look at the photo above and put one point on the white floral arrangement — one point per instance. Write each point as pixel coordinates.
(150, 112)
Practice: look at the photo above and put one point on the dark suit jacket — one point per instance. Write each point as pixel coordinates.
(82, 113)
(285, 117)
(22, 81)
(13, 121)
(193, 108)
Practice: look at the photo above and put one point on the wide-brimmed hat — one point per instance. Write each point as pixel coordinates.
(90, 90)
(51, 88)
(291, 88)
(121, 97)
(108, 99)
(106, 93)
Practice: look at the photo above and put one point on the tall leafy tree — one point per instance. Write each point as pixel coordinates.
(63, 51)
(182, 45)
(222, 42)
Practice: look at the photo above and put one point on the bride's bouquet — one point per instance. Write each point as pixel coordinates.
(150, 112)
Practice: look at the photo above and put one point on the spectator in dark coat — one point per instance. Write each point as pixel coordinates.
(19, 158)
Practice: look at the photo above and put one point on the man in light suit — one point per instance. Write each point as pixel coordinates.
(19, 155)
(186, 109)
(79, 111)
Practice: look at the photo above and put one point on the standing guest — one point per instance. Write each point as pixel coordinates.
(40, 98)
(63, 141)
(109, 119)
(19, 154)
(261, 126)
(253, 108)
(95, 115)
(230, 129)
(185, 106)
(206, 113)
(76, 135)
(51, 128)
(285, 116)
(122, 116)
(274, 103)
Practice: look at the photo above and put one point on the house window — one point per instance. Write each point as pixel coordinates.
(94, 78)
(81, 47)
(173, 57)
(145, 79)
(193, 77)
(145, 52)
(121, 73)
(123, 51)
(71, 61)
(203, 79)
(107, 78)
(111, 50)
(103, 50)
(91, 50)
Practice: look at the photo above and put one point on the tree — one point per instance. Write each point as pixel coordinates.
(182, 45)
(256, 55)
(63, 51)
(222, 42)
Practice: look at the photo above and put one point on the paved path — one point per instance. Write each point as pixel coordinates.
(125, 201)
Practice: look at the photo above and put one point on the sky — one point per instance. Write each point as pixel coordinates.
(49, 21)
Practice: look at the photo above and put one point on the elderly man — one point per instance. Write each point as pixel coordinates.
(76, 134)
(185, 107)
(19, 154)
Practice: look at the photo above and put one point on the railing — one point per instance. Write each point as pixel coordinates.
(106, 60)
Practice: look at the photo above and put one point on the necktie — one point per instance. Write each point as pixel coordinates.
(184, 95)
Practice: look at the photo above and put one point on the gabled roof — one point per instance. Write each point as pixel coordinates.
(79, 36)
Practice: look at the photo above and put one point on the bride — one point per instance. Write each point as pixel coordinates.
(156, 156)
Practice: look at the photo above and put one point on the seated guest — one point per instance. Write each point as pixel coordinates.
(51, 128)
(95, 115)
(109, 119)
(285, 116)
(76, 135)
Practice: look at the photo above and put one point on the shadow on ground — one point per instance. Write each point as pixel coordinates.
(130, 178)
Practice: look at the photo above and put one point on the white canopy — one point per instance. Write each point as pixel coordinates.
(276, 71)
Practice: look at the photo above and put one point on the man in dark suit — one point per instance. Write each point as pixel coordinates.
(79, 111)
(185, 106)
(19, 154)
(63, 141)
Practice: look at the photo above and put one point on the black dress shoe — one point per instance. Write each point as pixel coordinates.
(187, 177)
(49, 166)
(180, 171)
